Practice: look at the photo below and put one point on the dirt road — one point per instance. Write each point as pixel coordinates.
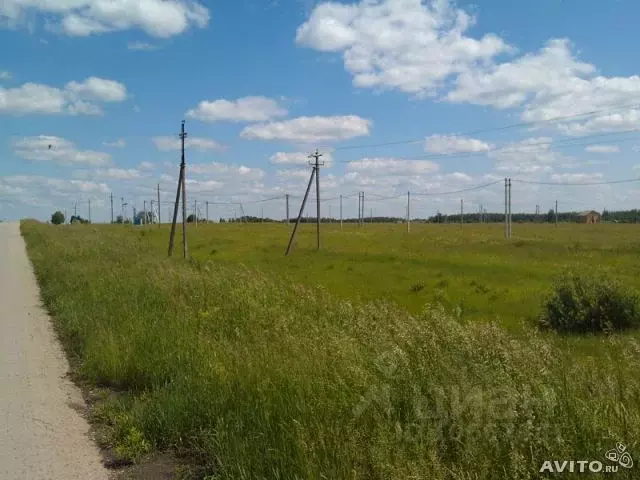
(42, 435)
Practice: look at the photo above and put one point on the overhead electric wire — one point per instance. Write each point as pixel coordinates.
(494, 129)
(576, 184)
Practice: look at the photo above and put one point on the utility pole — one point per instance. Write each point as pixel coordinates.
(506, 211)
(461, 211)
(75, 209)
(159, 204)
(304, 201)
(340, 212)
(195, 211)
(509, 207)
(556, 213)
(408, 211)
(316, 156)
(152, 212)
(111, 207)
(371, 216)
(144, 212)
(134, 215)
(89, 210)
(181, 189)
(207, 210)
(286, 197)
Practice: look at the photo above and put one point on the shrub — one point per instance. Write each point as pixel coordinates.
(581, 303)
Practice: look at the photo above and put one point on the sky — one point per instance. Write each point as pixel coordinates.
(438, 98)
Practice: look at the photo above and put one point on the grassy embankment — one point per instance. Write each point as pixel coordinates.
(253, 377)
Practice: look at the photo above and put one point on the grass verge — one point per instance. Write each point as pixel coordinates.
(250, 378)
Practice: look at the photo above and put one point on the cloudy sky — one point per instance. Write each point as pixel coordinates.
(432, 97)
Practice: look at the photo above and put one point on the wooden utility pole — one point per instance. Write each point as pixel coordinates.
(159, 204)
(287, 206)
(89, 210)
(509, 207)
(408, 212)
(304, 201)
(506, 210)
(180, 190)
(316, 165)
(112, 207)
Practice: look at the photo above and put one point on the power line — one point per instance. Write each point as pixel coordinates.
(581, 184)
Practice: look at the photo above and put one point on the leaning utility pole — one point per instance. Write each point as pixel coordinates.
(304, 201)
(180, 190)
(316, 165)
(111, 207)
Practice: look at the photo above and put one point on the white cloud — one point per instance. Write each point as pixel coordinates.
(141, 46)
(59, 150)
(166, 144)
(146, 166)
(392, 166)
(455, 144)
(409, 45)
(576, 177)
(54, 186)
(247, 109)
(533, 155)
(71, 100)
(4, 75)
(553, 83)
(294, 173)
(299, 158)
(158, 18)
(99, 89)
(119, 143)
(310, 129)
(237, 172)
(602, 149)
(118, 173)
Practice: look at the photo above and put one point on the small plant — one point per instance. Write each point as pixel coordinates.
(417, 287)
(589, 304)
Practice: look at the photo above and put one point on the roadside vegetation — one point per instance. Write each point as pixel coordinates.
(245, 373)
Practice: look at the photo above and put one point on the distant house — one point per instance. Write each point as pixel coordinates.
(590, 216)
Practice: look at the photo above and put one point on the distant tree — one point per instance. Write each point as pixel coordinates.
(551, 215)
(191, 218)
(77, 219)
(57, 218)
(119, 219)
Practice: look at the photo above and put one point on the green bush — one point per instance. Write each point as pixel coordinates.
(582, 303)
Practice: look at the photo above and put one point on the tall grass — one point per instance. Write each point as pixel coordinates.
(250, 378)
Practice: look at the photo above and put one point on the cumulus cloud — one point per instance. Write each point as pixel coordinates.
(392, 166)
(74, 99)
(247, 109)
(141, 46)
(409, 45)
(602, 149)
(553, 83)
(448, 144)
(530, 156)
(146, 166)
(166, 144)
(576, 177)
(4, 75)
(119, 143)
(118, 173)
(299, 158)
(218, 169)
(158, 18)
(310, 129)
(45, 148)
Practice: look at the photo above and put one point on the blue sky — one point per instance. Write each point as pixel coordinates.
(263, 83)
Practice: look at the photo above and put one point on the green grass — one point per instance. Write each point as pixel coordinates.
(254, 366)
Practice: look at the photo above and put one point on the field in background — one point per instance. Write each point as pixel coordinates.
(472, 268)
(245, 373)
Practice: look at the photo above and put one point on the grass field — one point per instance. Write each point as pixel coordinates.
(330, 365)
(473, 268)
